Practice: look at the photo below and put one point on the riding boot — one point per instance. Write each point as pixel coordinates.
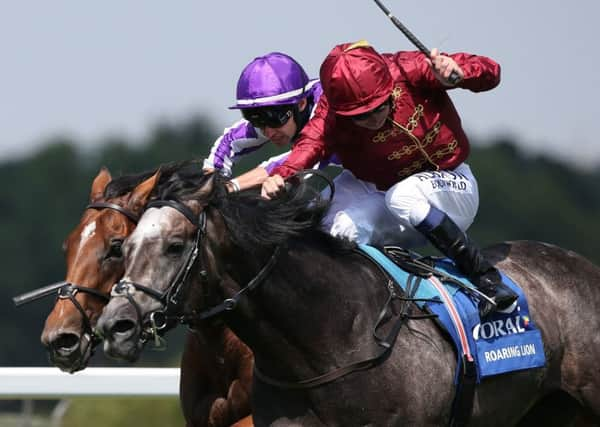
(447, 237)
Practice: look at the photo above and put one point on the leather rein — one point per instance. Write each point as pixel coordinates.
(68, 290)
(170, 299)
(386, 343)
(159, 320)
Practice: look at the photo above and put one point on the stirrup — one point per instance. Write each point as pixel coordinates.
(506, 301)
(486, 308)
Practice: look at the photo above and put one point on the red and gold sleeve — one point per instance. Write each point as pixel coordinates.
(310, 147)
(480, 73)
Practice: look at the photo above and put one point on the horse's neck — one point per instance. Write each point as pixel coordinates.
(312, 307)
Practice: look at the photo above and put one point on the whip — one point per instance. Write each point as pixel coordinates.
(454, 77)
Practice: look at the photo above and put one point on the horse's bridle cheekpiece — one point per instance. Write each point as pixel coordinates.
(68, 290)
(159, 320)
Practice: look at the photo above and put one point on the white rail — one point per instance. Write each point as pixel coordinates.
(48, 383)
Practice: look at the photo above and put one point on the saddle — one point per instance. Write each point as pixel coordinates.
(503, 342)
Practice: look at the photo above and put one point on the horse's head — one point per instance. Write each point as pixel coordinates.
(193, 254)
(94, 263)
(163, 251)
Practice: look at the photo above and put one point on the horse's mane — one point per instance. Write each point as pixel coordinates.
(126, 183)
(251, 220)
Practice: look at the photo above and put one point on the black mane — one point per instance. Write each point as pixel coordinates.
(251, 220)
(126, 183)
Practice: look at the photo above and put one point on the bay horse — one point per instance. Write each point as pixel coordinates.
(307, 305)
(216, 367)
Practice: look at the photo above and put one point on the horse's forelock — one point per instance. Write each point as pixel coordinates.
(185, 185)
(126, 183)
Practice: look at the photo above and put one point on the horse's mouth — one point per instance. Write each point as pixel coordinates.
(124, 346)
(72, 358)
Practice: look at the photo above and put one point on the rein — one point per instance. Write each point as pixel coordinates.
(387, 343)
(160, 319)
(68, 290)
(169, 298)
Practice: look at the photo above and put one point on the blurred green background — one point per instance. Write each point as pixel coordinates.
(43, 195)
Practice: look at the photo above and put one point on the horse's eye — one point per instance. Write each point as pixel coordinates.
(175, 249)
(115, 250)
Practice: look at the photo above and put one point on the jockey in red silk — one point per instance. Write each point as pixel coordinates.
(276, 99)
(389, 120)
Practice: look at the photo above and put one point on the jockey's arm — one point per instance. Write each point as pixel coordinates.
(477, 73)
(252, 178)
(308, 150)
(272, 187)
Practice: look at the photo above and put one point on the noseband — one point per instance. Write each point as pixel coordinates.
(170, 298)
(68, 290)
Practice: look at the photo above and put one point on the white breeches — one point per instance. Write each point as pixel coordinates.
(364, 214)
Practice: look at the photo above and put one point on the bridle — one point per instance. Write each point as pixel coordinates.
(161, 319)
(170, 299)
(67, 290)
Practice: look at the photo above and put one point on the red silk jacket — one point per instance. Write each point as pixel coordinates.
(423, 132)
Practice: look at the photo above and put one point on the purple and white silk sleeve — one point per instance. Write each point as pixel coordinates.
(236, 142)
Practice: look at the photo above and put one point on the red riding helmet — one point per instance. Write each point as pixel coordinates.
(355, 79)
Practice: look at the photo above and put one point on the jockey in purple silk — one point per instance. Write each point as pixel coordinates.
(276, 99)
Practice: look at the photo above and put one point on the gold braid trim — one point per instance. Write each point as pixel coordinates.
(409, 149)
(411, 125)
(417, 165)
(385, 134)
(408, 131)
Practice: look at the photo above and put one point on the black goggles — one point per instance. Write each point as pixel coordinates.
(365, 116)
(272, 117)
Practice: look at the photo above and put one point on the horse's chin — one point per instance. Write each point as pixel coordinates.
(70, 365)
(123, 349)
(73, 359)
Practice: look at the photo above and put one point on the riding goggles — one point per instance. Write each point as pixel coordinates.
(365, 116)
(272, 117)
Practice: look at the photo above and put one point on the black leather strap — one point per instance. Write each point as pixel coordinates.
(107, 205)
(182, 208)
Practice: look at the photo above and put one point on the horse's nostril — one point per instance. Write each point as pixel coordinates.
(65, 342)
(122, 326)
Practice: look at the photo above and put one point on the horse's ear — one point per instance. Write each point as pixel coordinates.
(99, 185)
(140, 194)
(205, 190)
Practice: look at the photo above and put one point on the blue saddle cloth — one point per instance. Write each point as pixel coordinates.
(502, 342)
